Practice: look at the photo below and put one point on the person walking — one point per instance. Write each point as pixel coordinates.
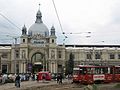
(60, 79)
(37, 77)
(17, 81)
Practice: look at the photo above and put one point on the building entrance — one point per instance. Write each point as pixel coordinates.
(37, 67)
(37, 62)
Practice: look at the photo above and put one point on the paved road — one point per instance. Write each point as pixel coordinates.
(29, 84)
(33, 85)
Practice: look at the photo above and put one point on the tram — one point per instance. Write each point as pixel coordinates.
(88, 74)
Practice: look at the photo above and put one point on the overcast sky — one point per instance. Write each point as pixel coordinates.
(100, 17)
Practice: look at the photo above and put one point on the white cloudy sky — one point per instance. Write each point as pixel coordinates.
(100, 17)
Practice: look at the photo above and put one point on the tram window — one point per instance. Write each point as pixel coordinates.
(117, 71)
(98, 71)
(83, 70)
(104, 70)
(89, 71)
(108, 70)
(76, 72)
(111, 70)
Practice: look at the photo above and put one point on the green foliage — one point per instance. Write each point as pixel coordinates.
(70, 65)
(117, 86)
(95, 87)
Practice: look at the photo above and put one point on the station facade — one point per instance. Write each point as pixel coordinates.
(38, 51)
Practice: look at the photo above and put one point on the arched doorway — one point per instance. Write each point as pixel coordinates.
(37, 61)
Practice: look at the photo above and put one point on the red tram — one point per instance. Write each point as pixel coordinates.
(88, 74)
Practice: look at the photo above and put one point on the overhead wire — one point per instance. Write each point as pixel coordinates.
(65, 36)
(58, 19)
(12, 24)
(10, 21)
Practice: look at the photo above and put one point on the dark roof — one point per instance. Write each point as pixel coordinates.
(5, 44)
(92, 46)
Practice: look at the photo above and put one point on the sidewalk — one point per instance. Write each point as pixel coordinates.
(29, 84)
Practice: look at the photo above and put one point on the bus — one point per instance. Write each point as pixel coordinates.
(88, 74)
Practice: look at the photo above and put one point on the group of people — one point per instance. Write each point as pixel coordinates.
(18, 79)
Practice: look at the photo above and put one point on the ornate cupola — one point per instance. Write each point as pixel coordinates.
(52, 35)
(39, 16)
(24, 30)
(52, 31)
(38, 27)
(24, 36)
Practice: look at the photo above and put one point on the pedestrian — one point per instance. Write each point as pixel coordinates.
(43, 77)
(37, 77)
(17, 81)
(60, 79)
(33, 77)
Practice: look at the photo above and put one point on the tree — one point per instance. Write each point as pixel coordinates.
(70, 64)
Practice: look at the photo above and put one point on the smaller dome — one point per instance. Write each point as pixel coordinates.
(52, 28)
(24, 30)
(24, 27)
(52, 31)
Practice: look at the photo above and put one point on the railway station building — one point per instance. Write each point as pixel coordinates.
(38, 50)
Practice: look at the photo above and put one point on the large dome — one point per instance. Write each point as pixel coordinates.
(38, 27)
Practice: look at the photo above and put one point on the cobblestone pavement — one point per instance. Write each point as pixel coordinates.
(29, 84)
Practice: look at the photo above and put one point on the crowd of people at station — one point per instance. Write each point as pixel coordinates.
(40, 76)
